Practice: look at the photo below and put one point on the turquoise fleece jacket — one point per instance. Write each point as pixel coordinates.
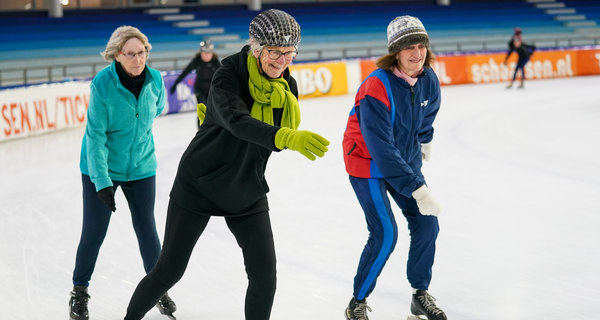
(118, 143)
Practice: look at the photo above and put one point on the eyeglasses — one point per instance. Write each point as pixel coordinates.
(275, 54)
(131, 55)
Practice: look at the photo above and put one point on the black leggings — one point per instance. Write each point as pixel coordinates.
(96, 218)
(183, 228)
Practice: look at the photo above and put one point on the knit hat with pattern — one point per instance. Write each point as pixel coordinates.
(405, 31)
(275, 28)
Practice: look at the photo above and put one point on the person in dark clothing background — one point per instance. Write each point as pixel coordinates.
(205, 63)
(524, 52)
(252, 110)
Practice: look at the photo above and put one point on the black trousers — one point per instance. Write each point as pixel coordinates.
(183, 228)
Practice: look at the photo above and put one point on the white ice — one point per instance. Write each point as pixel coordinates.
(517, 173)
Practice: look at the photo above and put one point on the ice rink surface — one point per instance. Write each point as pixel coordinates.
(517, 173)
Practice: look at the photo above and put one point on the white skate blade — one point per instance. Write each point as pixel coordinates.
(414, 317)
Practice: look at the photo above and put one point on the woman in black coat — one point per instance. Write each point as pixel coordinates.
(252, 110)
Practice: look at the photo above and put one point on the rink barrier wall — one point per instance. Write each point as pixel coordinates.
(489, 68)
(33, 110)
(43, 108)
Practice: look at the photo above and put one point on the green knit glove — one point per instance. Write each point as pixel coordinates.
(307, 143)
(201, 111)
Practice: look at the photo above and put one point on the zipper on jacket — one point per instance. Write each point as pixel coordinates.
(412, 95)
(135, 132)
(352, 149)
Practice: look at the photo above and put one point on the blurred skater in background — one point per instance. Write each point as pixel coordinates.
(524, 52)
(205, 63)
(388, 135)
(118, 151)
(252, 110)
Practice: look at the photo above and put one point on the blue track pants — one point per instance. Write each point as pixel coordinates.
(372, 195)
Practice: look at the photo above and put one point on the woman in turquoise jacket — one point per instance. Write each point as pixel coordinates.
(118, 151)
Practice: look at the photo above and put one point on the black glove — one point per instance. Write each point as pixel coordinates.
(107, 195)
(172, 90)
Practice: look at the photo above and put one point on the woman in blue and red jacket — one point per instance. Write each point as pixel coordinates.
(388, 134)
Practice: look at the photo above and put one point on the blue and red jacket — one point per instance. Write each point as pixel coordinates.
(389, 121)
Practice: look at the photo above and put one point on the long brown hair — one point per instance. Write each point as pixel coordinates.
(389, 60)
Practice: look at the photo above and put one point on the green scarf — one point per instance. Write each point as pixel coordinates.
(269, 94)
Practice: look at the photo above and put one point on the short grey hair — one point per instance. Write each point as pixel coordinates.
(254, 46)
(119, 37)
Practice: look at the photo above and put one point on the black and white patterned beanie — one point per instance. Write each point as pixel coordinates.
(405, 31)
(275, 28)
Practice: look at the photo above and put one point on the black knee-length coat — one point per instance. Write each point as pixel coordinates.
(222, 172)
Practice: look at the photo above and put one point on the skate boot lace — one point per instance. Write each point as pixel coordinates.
(166, 305)
(164, 301)
(79, 303)
(428, 302)
(360, 310)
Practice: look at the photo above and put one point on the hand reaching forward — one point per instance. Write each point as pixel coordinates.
(307, 143)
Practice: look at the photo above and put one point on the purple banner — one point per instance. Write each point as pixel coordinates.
(183, 98)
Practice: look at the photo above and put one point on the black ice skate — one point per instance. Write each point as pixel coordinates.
(78, 304)
(166, 306)
(357, 310)
(423, 307)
